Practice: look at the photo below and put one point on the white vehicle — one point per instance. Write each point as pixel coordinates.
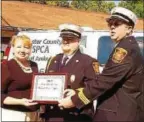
(96, 43)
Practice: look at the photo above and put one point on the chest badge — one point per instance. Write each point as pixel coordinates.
(72, 78)
(77, 61)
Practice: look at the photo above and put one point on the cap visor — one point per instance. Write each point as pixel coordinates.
(116, 17)
(68, 35)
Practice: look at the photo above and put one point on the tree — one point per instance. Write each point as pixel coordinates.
(52, 2)
(136, 6)
(63, 3)
(79, 4)
(87, 5)
(110, 6)
(97, 5)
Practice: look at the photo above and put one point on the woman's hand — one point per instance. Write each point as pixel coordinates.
(27, 102)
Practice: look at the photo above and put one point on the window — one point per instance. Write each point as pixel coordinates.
(105, 47)
(140, 41)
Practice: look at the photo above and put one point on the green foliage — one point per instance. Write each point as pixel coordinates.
(61, 3)
(110, 6)
(96, 5)
(139, 10)
(99, 5)
(135, 6)
(52, 2)
(79, 4)
(88, 5)
(91, 5)
(36, 1)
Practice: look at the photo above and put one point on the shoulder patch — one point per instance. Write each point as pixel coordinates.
(119, 55)
(95, 66)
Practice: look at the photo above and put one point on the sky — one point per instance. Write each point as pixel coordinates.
(116, 1)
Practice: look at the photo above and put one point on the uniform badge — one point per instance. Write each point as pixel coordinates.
(95, 67)
(119, 55)
(72, 78)
(77, 61)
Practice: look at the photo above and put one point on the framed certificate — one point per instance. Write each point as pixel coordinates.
(48, 88)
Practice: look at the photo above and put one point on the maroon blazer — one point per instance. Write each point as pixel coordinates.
(81, 67)
(15, 83)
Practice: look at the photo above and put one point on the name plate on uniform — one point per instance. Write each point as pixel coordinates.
(48, 88)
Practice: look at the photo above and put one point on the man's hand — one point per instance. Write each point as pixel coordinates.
(66, 102)
(69, 92)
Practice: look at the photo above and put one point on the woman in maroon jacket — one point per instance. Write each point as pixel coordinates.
(16, 83)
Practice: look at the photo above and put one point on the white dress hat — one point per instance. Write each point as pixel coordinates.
(124, 14)
(70, 30)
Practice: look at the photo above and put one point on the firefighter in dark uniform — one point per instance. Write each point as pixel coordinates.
(79, 67)
(119, 88)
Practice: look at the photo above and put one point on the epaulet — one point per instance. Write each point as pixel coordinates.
(49, 62)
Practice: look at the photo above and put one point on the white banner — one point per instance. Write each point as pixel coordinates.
(44, 45)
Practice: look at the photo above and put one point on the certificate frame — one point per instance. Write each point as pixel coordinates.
(48, 88)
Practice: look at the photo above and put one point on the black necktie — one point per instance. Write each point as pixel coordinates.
(64, 60)
(63, 63)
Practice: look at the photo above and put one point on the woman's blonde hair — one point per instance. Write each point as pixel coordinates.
(26, 40)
